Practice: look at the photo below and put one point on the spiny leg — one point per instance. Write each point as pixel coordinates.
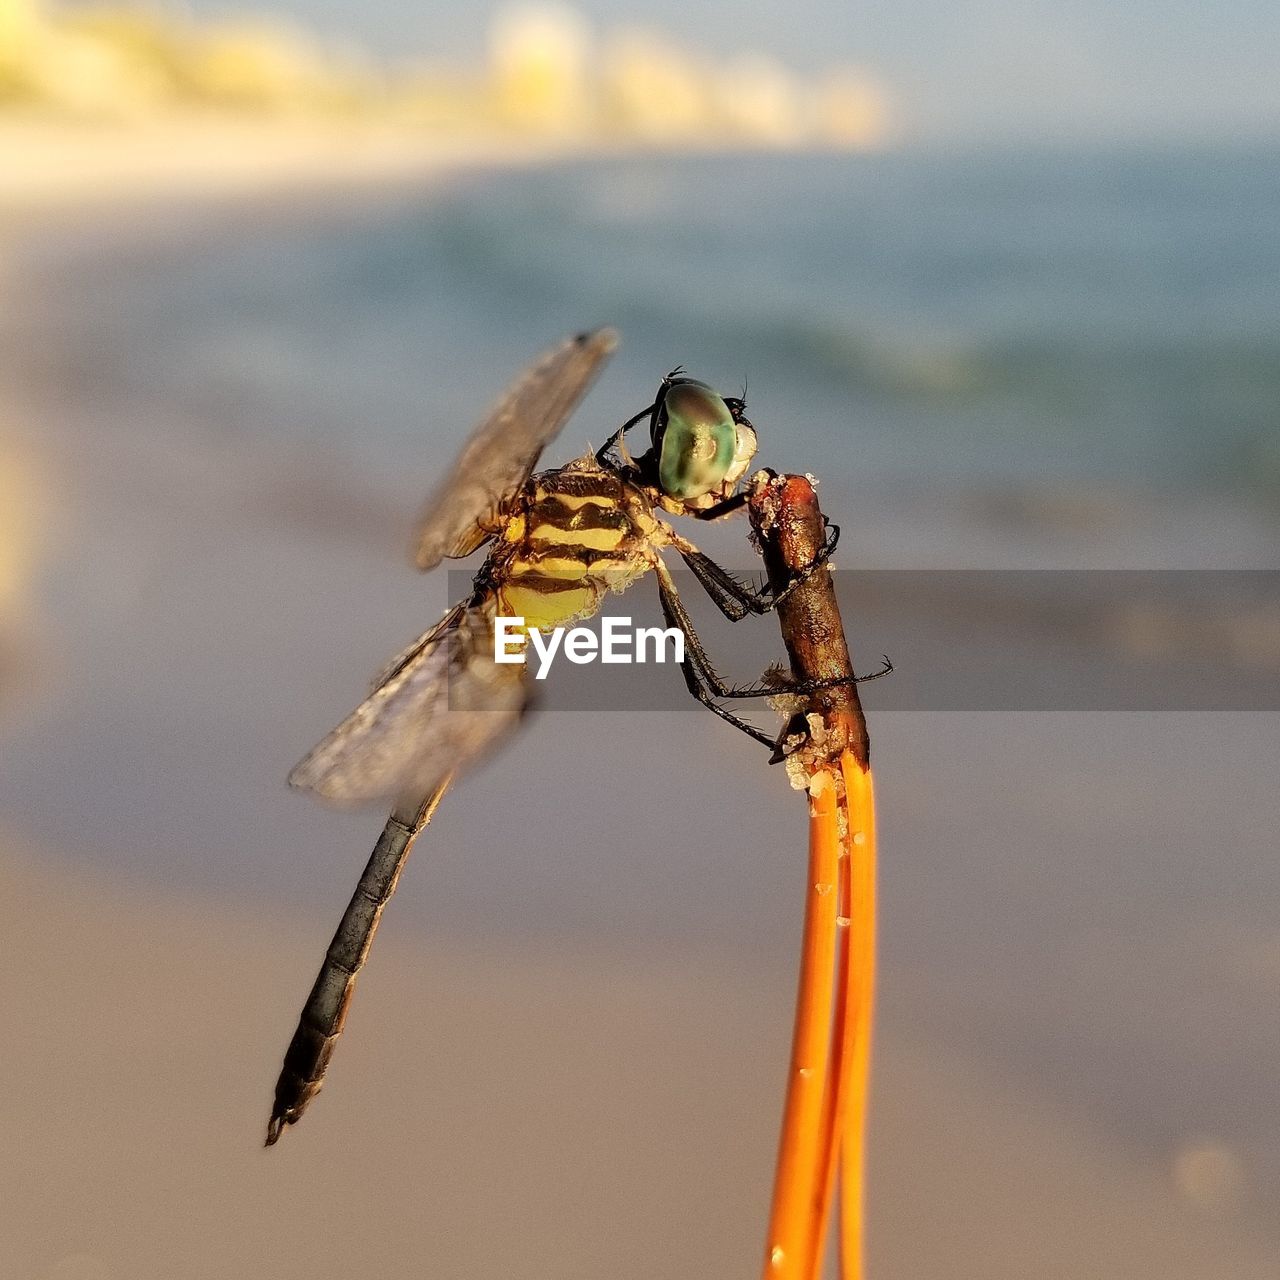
(729, 604)
(735, 599)
(808, 686)
(725, 508)
(696, 666)
(606, 455)
(705, 683)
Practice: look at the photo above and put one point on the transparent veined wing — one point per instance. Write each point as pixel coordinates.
(505, 447)
(439, 706)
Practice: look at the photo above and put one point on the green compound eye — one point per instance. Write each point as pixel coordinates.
(698, 442)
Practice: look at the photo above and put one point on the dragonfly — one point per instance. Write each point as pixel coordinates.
(560, 541)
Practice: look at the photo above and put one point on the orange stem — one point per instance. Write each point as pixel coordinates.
(845, 1105)
(833, 1101)
(795, 1223)
(858, 981)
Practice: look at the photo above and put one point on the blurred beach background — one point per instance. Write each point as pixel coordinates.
(1005, 278)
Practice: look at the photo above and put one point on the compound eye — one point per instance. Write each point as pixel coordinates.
(698, 441)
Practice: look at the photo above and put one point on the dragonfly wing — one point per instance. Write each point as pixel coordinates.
(441, 705)
(427, 638)
(505, 447)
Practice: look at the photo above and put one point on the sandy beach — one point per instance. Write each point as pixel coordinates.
(566, 1057)
(497, 1111)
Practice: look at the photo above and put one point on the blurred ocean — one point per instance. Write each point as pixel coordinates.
(1029, 336)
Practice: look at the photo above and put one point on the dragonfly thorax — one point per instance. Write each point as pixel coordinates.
(571, 536)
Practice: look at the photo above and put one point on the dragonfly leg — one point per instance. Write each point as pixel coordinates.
(735, 598)
(607, 455)
(706, 685)
(725, 508)
(699, 675)
(678, 616)
(803, 686)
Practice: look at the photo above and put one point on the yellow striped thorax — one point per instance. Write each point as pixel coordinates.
(572, 536)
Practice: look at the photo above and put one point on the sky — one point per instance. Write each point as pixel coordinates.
(1020, 70)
